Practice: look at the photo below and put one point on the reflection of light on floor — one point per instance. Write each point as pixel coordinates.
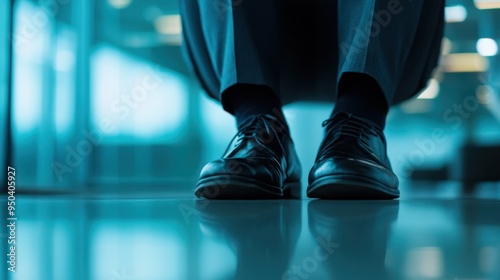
(425, 262)
(140, 249)
(32, 248)
(62, 234)
(488, 258)
(219, 262)
(120, 239)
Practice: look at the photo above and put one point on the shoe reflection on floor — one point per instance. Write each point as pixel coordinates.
(262, 234)
(157, 238)
(360, 232)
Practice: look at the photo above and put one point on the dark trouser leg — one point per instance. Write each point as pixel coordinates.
(233, 47)
(395, 43)
(359, 94)
(387, 49)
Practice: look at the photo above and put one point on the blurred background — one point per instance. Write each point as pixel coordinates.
(96, 97)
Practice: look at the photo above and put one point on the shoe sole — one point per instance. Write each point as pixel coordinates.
(237, 187)
(348, 186)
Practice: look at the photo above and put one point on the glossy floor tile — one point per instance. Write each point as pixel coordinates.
(72, 237)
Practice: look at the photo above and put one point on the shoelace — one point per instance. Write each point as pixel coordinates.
(253, 126)
(349, 126)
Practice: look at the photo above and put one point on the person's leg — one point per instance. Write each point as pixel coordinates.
(377, 37)
(359, 94)
(233, 47)
(247, 100)
(387, 50)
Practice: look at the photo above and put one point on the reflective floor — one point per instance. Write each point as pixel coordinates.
(76, 237)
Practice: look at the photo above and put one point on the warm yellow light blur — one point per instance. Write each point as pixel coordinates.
(487, 4)
(119, 4)
(424, 262)
(484, 93)
(464, 62)
(431, 91)
(446, 46)
(169, 25)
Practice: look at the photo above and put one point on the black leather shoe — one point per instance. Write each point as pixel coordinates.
(260, 162)
(352, 162)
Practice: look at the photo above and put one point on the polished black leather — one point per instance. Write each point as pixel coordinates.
(356, 236)
(260, 162)
(352, 162)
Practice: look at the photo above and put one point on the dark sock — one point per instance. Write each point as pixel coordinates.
(359, 94)
(245, 100)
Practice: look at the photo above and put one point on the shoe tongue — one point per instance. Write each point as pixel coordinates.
(263, 121)
(353, 120)
(336, 119)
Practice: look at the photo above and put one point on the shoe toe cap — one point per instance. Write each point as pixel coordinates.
(350, 168)
(263, 170)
